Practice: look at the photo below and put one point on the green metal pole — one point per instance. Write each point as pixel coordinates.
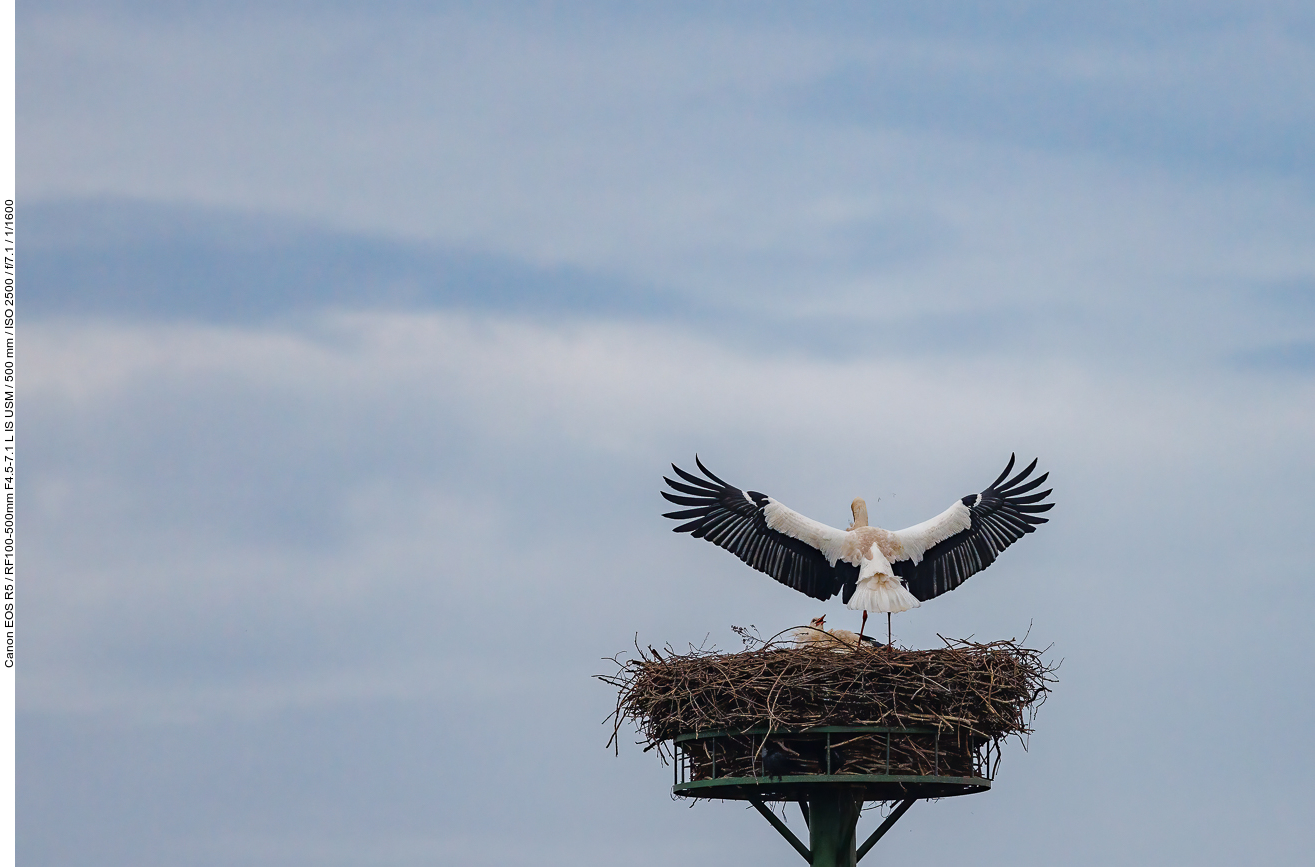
(832, 819)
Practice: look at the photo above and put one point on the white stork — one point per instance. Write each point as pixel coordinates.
(873, 569)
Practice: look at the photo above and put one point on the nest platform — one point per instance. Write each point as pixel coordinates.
(777, 722)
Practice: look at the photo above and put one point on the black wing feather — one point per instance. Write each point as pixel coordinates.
(686, 489)
(693, 479)
(730, 519)
(1001, 515)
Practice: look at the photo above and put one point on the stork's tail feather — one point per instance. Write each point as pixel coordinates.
(883, 593)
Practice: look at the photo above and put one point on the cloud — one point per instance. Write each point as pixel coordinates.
(1219, 100)
(1289, 357)
(132, 260)
(377, 441)
(698, 157)
(248, 531)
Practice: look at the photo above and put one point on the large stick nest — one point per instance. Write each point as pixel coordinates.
(978, 693)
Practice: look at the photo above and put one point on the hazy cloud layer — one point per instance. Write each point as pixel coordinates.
(438, 520)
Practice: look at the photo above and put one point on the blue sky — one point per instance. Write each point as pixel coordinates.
(358, 338)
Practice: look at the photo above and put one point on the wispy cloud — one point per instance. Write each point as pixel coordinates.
(453, 513)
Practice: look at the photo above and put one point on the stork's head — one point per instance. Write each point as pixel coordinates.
(860, 510)
(817, 622)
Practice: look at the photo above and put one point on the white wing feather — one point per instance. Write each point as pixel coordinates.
(917, 539)
(828, 540)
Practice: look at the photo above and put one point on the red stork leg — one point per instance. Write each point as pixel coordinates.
(889, 643)
(861, 628)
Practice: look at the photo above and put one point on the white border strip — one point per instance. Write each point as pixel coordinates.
(8, 192)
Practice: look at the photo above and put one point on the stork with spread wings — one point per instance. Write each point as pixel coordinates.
(873, 569)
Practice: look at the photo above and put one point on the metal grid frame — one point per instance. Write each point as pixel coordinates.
(985, 759)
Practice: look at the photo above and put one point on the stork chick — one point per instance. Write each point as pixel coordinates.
(815, 634)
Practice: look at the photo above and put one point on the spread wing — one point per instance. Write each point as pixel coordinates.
(942, 553)
(750, 526)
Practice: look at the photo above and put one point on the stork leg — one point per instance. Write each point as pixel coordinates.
(861, 628)
(888, 638)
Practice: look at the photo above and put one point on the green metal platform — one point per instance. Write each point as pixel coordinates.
(868, 787)
(833, 800)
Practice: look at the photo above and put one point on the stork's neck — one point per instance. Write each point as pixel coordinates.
(860, 510)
